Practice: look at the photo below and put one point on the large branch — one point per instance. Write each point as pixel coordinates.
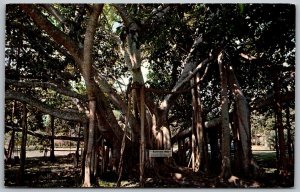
(189, 65)
(89, 37)
(124, 15)
(66, 115)
(116, 100)
(52, 86)
(60, 37)
(53, 11)
(44, 136)
(184, 78)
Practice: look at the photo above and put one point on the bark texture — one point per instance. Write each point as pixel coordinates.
(225, 145)
(242, 121)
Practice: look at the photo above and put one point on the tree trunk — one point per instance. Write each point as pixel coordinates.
(243, 120)
(214, 151)
(128, 96)
(11, 145)
(289, 136)
(23, 146)
(197, 131)
(78, 147)
(83, 157)
(225, 146)
(205, 153)
(142, 144)
(90, 146)
(279, 125)
(52, 155)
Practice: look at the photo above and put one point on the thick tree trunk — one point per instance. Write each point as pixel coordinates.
(225, 146)
(243, 122)
(52, 155)
(142, 144)
(90, 146)
(197, 126)
(23, 146)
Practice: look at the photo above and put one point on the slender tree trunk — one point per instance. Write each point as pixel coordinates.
(225, 146)
(194, 127)
(193, 160)
(85, 144)
(279, 125)
(52, 155)
(124, 139)
(276, 142)
(78, 147)
(11, 145)
(289, 136)
(23, 146)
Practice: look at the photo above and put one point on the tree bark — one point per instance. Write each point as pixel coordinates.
(279, 125)
(78, 147)
(23, 146)
(58, 36)
(90, 145)
(124, 137)
(83, 155)
(43, 136)
(289, 136)
(66, 115)
(225, 147)
(142, 144)
(197, 126)
(243, 120)
(58, 88)
(52, 155)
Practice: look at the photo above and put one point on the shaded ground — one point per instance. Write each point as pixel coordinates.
(40, 172)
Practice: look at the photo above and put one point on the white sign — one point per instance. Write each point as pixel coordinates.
(160, 153)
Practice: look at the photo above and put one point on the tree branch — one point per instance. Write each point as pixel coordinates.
(71, 116)
(55, 13)
(57, 88)
(43, 136)
(89, 39)
(51, 30)
(124, 15)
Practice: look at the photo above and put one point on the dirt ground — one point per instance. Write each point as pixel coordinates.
(42, 173)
